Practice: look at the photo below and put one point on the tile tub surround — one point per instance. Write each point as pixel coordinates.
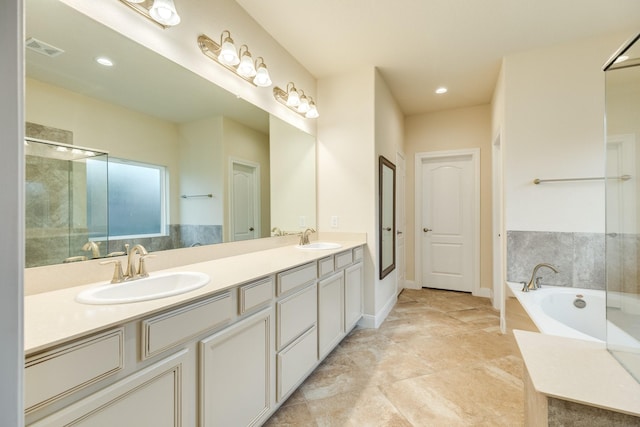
(438, 360)
(580, 257)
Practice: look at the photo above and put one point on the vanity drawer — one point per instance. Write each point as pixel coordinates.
(54, 374)
(295, 314)
(358, 254)
(255, 294)
(296, 277)
(174, 327)
(343, 259)
(325, 266)
(295, 361)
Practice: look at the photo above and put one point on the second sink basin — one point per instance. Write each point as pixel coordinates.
(318, 246)
(152, 287)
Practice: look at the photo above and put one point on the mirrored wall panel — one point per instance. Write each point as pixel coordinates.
(189, 163)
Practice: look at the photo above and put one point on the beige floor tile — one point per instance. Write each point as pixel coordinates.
(438, 360)
(430, 401)
(292, 416)
(368, 407)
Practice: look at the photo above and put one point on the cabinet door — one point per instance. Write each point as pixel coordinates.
(150, 397)
(235, 373)
(353, 282)
(330, 313)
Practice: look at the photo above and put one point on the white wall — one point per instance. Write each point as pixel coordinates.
(361, 121)
(11, 213)
(202, 168)
(347, 162)
(179, 44)
(554, 116)
(293, 206)
(455, 129)
(389, 139)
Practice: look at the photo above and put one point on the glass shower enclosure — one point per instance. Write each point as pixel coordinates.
(622, 92)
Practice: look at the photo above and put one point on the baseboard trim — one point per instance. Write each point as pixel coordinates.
(483, 292)
(373, 322)
(411, 284)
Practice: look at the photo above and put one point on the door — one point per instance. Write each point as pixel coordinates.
(401, 220)
(448, 213)
(245, 201)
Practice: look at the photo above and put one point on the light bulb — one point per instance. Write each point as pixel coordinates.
(262, 77)
(304, 104)
(293, 98)
(246, 67)
(228, 53)
(164, 12)
(313, 111)
(441, 90)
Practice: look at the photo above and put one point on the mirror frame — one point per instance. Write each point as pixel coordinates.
(386, 167)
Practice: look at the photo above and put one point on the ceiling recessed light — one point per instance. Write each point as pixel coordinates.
(103, 60)
(441, 90)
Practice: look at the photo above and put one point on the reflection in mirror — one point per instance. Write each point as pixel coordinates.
(154, 118)
(622, 89)
(387, 214)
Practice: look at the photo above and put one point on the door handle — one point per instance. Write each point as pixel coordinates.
(426, 230)
(398, 232)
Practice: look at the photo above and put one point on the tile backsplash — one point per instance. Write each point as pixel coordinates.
(579, 257)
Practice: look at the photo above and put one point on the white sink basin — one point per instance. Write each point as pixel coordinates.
(152, 287)
(318, 246)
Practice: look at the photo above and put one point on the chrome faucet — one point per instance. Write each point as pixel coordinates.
(93, 247)
(304, 237)
(534, 282)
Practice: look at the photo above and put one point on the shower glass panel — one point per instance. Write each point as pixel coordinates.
(622, 87)
(59, 209)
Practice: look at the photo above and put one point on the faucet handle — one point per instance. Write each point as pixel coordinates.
(142, 269)
(118, 275)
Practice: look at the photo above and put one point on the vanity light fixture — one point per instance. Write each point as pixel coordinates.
(296, 100)
(239, 62)
(162, 12)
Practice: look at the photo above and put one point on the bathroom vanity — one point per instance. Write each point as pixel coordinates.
(227, 354)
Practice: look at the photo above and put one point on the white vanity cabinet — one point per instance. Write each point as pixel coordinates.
(235, 373)
(229, 358)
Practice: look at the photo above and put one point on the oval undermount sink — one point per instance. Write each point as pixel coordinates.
(318, 246)
(152, 287)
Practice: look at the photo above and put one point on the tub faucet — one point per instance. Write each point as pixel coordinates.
(534, 282)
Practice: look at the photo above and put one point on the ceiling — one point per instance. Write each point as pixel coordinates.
(419, 45)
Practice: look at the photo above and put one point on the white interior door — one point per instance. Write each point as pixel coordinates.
(245, 201)
(401, 220)
(448, 209)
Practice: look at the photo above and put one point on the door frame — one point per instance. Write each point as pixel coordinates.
(401, 220)
(257, 203)
(420, 158)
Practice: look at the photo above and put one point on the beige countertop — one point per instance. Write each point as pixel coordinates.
(578, 371)
(53, 317)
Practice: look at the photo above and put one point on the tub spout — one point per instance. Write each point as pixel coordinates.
(534, 282)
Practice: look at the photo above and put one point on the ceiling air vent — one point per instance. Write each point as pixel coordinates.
(42, 47)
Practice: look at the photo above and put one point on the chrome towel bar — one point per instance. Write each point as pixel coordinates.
(599, 178)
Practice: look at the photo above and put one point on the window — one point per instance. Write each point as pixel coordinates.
(136, 198)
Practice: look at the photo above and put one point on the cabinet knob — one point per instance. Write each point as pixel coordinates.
(251, 228)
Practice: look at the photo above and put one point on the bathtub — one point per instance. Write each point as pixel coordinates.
(552, 310)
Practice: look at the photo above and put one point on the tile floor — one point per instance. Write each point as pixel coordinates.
(438, 360)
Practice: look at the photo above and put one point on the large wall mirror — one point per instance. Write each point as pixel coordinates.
(188, 164)
(387, 216)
